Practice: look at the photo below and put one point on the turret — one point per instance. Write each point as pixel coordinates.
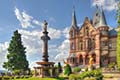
(74, 21)
(102, 19)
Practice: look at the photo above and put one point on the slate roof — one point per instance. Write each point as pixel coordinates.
(112, 32)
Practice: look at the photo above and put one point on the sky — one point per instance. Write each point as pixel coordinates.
(27, 17)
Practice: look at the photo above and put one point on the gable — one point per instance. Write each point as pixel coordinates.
(87, 26)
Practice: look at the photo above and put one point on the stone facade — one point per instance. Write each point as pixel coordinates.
(94, 38)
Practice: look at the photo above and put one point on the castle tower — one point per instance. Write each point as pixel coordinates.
(73, 32)
(73, 37)
(103, 29)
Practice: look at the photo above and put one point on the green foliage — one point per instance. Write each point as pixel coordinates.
(77, 69)
(96, 74)
(16, 57)
(92, 78)
(38, 78)
(86, 69)
(68, 70)
(111, 65)
(118, 37)
(16, 72)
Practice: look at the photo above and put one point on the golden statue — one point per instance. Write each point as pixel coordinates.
(90, 60)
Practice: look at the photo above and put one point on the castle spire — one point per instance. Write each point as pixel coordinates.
(102, 18)
(74, 21)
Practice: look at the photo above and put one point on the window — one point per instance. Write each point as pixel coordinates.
(86, 31)
(72, 45)
(93, 43)
(72, 34)
(104, 43)
(80, 45)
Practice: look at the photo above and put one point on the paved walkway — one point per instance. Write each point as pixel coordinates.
(114, 76)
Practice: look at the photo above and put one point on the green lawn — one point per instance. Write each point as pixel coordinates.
(37, 78)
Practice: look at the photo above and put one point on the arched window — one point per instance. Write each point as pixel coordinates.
(80, 60)
(86, 31)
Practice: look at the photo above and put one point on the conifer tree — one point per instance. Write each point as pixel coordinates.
(16, 55)
(118, 36)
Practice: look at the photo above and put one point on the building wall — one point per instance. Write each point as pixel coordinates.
(103, 50)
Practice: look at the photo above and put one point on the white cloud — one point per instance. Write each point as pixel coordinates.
(54, 33)
(37, 23)
(63, 49)
(66, 32)
(25, 19)
(3, 53)
(108, 5)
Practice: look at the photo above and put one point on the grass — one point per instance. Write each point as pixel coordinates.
(37, 78)
(28, 78)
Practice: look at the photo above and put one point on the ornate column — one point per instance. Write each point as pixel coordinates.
(45, 39)
(84, 60)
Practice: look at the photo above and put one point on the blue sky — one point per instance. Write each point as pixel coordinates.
(27, 16)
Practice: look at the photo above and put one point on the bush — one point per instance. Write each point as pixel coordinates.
(68, 70)
(76, 69)
(95, 74)
(72, 77)
(86, 69)
(111, 65)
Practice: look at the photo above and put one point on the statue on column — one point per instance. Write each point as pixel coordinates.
(45, 25)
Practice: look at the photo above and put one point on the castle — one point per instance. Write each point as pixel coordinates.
(94, 38)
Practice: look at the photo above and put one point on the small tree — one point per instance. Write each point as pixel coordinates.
(118, 37)
(68, 70)
(17, 61)
(59, 68)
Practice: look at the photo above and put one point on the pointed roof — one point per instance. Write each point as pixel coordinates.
(74, 21)
(96, 17)
(99, 18)
(102, 19)
(113, 32)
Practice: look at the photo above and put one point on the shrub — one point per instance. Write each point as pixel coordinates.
(86, 69)
(95, 74)
(111, 65)
(68, 70)
(76, 69)
(72, 77)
